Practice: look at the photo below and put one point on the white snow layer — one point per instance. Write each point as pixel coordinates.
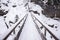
(29, 31)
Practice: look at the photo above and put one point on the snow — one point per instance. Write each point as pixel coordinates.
(9, 30)
(10, 16)
(3, 27)
(29, 31)
(47, 21)
(55, 31)
(12, 36)
(35, 7)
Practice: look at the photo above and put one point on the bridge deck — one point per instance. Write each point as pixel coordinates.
(29, 31)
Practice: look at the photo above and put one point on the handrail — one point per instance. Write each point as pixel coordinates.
(46, 29)
(20, 30)
(42, 36)
(9, 31)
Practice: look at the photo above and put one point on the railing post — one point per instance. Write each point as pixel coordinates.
(44, 31)
(14, 31)
(7, 25)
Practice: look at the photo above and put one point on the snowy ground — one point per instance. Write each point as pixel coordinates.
(29, 32)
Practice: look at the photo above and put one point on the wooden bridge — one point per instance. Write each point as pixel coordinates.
(30, 29)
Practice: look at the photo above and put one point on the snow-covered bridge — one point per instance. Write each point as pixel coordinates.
(28, 28)
(29, 25)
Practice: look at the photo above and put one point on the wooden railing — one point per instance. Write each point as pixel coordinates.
(45, 27)
(12, 29)
(20, 30)
(38, 29)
